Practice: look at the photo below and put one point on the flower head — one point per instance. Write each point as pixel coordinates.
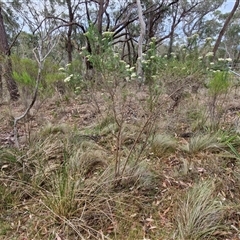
(209, 54)
(153, 39)
(133, 75)
(67, 79)
(208, 39)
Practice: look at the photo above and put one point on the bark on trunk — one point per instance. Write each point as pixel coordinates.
(11, 84)
(6, 64)
(225, 26)
(69, 45)
(140, 41)
(102, 8)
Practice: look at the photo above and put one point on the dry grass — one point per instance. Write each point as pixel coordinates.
(200, 214)
(163, 145)
(62, 183)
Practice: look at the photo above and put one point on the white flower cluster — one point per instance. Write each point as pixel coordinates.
(209, 54)
(133, 75)
(208, 39)
(131, 70)
(224, 59)
(67, 79)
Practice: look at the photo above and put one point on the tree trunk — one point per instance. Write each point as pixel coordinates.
(69, 46)
(172, 32)
(102, 8)
(6, 64)
(225, 26)
(140, 41)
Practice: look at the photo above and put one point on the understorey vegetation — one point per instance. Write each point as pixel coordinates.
(106, 156)
(91, 149)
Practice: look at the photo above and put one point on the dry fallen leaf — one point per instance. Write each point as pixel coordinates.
(57, 237)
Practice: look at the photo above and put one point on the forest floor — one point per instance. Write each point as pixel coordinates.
(103, 166)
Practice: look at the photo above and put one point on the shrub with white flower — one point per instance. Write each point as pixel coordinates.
(105, 57)
(208, 39)
(150, 62)
(132, 69)
(67, 79)
(133, 75)
(221, 64)
(209, 54)
(153, 39)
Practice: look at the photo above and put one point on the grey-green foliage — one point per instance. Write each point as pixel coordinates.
(121, 15)
(195, 21)
(200, 213)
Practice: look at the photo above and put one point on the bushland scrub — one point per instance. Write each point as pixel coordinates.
(104, 156)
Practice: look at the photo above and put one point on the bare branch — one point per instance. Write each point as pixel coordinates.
(40, 58)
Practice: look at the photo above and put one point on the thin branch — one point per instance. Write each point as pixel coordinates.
(16, 119)
(40, 60)
(14, 41)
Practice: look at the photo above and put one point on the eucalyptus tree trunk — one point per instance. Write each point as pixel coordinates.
(6, 64)
(69, 45)
(103, 5)
(140, 42)
(225, 26)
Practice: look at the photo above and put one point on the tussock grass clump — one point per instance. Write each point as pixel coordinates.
(200, 213)
(53, 129)
(8, 155)
(163, 144)
(61, 197)
(7, 197)
(201, 142)
(44, 157)
(87, 159)
(132, 175)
